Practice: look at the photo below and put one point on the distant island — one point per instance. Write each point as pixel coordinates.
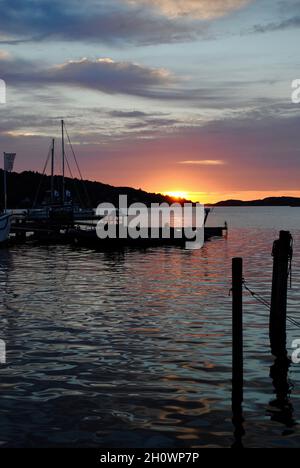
(270, 201)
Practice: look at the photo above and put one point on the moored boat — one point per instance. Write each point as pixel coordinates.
(5, 223)
(5, 217)
(58, 203)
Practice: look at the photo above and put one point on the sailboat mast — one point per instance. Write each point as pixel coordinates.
(5, 190)
(63, 161)
(52, 170)
(9, 159)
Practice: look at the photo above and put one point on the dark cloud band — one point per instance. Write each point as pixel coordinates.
(112, 22)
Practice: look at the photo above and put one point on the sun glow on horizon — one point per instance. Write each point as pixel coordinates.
(177, 194)
(218, 196)
(200, 197)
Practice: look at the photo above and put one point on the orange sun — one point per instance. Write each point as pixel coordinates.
(177, 194)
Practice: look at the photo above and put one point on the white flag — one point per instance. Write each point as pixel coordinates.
(9, 159)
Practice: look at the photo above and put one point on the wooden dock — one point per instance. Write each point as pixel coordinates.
(84, 233)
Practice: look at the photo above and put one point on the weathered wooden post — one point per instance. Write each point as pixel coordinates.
(237, 351)
(282, 251)
(237, 331)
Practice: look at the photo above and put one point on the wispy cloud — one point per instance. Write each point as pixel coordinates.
(203, 162)
(203, 9)
(134, 114)
(278, 26)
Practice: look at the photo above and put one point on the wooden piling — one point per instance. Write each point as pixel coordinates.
(237, 332)
(281, 254)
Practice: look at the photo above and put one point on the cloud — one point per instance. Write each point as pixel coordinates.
(203, 9)
(128, 114)
(279, 26)
(204, 162)
(113, 77)
(103, 74)
(109, 76)
(152, 124)
(110, 22)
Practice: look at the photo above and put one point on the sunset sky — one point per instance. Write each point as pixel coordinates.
(189, 97)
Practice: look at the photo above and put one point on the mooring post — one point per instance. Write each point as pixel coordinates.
(237, 332)
(282, 254)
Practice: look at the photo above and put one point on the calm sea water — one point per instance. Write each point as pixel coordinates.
(133, 349)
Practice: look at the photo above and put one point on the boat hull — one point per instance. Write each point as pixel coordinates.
(5, 223)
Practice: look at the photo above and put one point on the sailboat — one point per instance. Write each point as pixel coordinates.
(5, 218)
(58, 204)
